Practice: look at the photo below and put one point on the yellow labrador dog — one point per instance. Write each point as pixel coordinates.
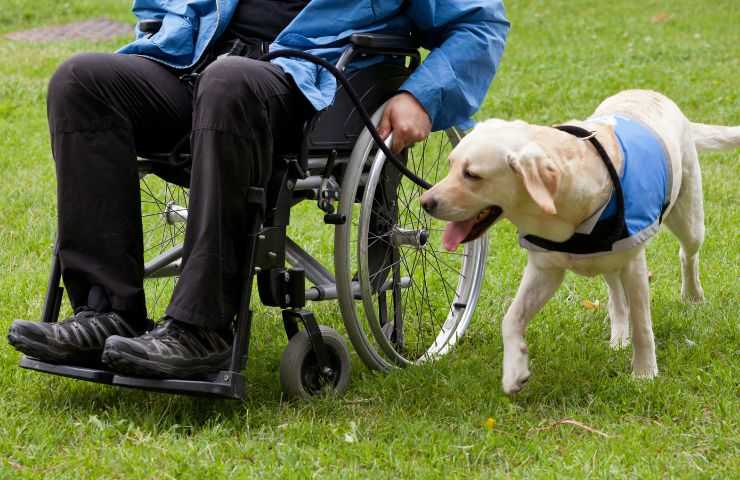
(586, 198)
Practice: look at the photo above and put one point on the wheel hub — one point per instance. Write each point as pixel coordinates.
(316, 378)
(174, 213)
(416, 238)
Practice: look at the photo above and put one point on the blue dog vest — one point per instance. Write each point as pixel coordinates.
(646, 181)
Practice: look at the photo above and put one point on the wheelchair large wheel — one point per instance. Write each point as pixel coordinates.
(163, 217)
(404, 300)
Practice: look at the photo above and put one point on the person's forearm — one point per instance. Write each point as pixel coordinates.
(466, 43)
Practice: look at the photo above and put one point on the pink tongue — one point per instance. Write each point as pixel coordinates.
(455, 233)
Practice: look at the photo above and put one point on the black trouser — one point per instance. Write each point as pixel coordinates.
(102, 109)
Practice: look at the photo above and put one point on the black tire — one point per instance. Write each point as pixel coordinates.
(299, 370)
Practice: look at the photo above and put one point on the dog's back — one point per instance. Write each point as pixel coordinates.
(662, 114)
(682, 138)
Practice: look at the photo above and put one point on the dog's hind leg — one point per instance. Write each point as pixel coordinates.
(637, 290)
(618, 311)
(686, 221)
(537, 287)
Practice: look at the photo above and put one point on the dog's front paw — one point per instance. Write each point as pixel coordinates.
(620, 338)
(692, 295)
(646, 371)
(516, 371)
(513, 383)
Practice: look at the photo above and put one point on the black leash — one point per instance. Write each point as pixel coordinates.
(342, 79)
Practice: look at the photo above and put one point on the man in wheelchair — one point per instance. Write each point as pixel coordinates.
(197, 79)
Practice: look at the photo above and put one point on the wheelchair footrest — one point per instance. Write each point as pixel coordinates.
(224, 384)
(80, 373)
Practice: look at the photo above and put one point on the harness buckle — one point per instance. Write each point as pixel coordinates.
(590, 135)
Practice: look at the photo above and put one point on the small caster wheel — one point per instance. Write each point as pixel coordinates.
(299, 369)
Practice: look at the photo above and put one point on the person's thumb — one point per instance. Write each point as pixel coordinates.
(384, 129)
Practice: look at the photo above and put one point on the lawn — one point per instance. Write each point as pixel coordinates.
(431, 421)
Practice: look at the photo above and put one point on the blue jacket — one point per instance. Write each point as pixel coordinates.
(465, 38)
(646, 180)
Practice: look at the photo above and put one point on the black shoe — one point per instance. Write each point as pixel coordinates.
(172, 350)
(78, 340)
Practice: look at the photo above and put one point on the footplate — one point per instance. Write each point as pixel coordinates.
(69, 371)
(224, 384)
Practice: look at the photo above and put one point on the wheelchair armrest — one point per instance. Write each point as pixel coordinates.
(381, 44)
(149, 27)
(384, 42)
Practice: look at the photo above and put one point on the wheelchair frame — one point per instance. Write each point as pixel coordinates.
(293, 181)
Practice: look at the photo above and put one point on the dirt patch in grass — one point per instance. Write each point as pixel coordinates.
(95, 30)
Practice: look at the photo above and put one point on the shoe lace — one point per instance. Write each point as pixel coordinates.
(180, 337)
(169, 333)
(84, 319)
(83, 310)
(68, 321)
(79, 313)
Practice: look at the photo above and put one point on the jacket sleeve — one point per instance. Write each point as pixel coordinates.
(466, 40)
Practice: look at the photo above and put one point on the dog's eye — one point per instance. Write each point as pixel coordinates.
(469, 175)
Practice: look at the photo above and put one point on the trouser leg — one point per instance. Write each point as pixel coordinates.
(101, 108)
(244, 110)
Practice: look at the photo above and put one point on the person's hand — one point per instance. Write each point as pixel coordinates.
(407, 119)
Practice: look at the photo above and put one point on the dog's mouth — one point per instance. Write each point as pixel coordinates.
(467, 230)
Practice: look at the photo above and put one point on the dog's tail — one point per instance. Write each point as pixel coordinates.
(715, 137)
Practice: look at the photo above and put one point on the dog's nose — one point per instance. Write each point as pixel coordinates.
(429, 204)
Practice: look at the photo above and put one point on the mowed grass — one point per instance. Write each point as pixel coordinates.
(425, 422)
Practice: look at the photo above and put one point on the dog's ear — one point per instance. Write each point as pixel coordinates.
(540, 175)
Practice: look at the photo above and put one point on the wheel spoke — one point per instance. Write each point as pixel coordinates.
(426, 309)
(159, 235)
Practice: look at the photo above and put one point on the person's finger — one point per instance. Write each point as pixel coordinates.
(384, 128)
(400, 141)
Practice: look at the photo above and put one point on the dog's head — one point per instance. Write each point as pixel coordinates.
(497, 170)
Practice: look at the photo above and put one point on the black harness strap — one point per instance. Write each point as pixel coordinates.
(613, 175)
(606, 231)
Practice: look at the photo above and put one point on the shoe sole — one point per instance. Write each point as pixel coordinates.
(128, 364)
(49, 353)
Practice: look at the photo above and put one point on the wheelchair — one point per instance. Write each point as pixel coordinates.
(403, 300)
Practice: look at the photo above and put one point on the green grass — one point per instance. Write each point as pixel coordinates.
(426, 422)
